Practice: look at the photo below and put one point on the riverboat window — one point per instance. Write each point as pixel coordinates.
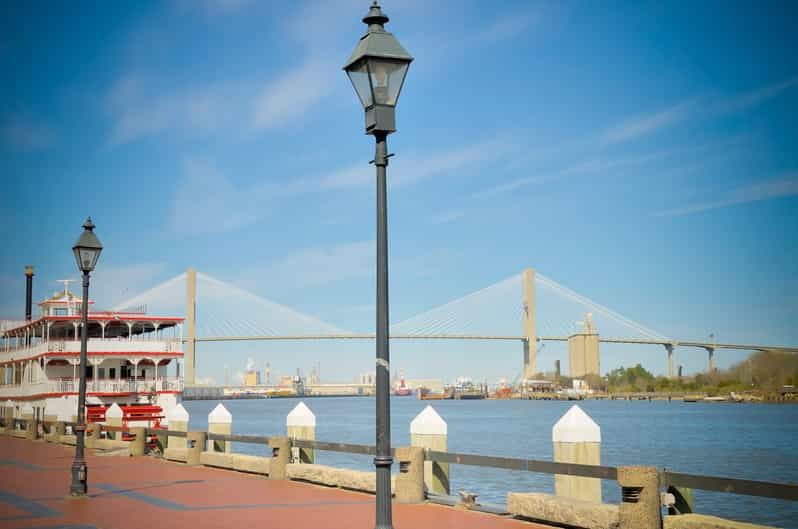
(89, 371)
(112, 372)
(60, 311)
(101, 372)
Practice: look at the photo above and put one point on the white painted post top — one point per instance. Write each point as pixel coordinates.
(576, 426)
(177, 414)
(300, 416)
(114, 412)
(9, 404)
(220, 415)
(27, 408)
(428, 422)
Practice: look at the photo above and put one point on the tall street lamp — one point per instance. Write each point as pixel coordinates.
(87, 250)
(377, 69)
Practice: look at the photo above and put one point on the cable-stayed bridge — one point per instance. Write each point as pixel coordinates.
(528, 308)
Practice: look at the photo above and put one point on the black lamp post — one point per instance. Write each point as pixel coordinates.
(377, 69)
(87, 251)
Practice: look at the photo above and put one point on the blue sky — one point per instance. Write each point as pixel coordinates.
(643, 154)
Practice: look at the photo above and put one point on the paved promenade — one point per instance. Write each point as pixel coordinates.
(147, 493)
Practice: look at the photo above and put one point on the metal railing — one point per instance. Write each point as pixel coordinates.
(765, 489)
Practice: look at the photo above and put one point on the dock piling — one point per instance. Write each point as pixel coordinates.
(640, 499)
(113, 417)
(301, 424)
(577, 439)
(410, 480)
(220, 421)
(280, 453)
(428, 430)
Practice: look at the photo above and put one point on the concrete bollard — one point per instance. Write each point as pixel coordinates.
(49, 425)
(220, 421)
(31, 429)
(195, 444)
(301, 424)
(428, 430)
(92, 434)
(59, 429)
(113, 417)
(410, 480)
(26, 414)
(8, 418)
(178, 422)
(577, 439)
(640, 500)
(138, 445)
(280, 453)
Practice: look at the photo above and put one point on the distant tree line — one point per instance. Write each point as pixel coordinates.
(764, 371)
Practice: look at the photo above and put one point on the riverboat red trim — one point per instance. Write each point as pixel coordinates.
(91, 394)
(93, 353)
(97, 316)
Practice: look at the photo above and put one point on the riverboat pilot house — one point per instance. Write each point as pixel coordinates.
(133, 361)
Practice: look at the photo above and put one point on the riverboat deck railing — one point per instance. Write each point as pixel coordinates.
(70, 385)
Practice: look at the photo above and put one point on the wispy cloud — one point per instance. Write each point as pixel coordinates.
(448, 216)
(784, 185)
(228, 207)
(508, 26)
(316, 266)
(294, 93)
(414, 168)
(752, 98)
(113, 284)
(232, 206)
(21, 131)
(139, 110)
(590, 166)
(639, 126)
(645, 124)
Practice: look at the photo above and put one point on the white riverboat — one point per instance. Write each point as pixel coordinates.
(133, 361)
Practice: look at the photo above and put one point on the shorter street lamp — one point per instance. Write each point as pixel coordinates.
(87, 252)
(377, 69)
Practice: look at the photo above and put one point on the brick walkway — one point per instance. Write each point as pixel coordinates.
(147, 493)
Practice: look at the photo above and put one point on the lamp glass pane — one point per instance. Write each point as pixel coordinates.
(387, 77)
(87, 258)
(359, 76)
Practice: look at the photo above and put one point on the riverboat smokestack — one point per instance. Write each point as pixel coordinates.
(28, 292)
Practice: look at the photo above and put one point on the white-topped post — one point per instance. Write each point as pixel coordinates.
(177, 420)
(9, 417)
(301, 424)
(577, 439)
(220, 421)
(429, 430)
(113, 417)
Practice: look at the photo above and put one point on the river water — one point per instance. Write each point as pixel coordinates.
(750, 441)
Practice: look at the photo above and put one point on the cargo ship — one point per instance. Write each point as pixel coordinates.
(402, 389)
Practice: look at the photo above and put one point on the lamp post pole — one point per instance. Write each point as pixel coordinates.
(383, 459)
(377, 69)
(87, 251)
(79, 468)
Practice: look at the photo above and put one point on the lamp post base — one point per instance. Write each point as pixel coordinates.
(79, 485)
(383, 485)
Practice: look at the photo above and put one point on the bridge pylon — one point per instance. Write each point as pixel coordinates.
(530, 336)
(191, 325)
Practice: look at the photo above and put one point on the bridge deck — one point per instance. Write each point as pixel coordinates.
(144, 492)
